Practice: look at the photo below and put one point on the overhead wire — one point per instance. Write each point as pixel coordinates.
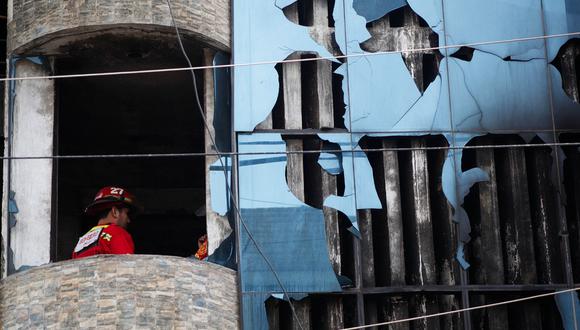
(228, 186)
(290, 152)
(297, 60)
(543, 295)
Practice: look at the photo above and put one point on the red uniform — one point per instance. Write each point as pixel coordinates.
(104, 239)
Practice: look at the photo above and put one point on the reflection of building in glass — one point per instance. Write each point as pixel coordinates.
(393, 158)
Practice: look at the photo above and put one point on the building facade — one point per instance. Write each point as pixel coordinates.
(361, 162)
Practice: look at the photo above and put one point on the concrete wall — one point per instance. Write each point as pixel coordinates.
(31, 180)
(121, 292)
(36, 23)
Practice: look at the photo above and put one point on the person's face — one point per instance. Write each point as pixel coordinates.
(121, 215)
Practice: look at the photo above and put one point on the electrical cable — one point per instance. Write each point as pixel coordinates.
(336, 151)
(465, 309)
(228, 186)
(309, 59)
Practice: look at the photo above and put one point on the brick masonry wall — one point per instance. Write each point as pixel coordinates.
(121, 292)
(208, 21)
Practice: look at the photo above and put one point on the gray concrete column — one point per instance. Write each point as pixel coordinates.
(31, 180)
(217, 226)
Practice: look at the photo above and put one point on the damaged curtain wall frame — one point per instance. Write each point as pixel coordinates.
(488, 88)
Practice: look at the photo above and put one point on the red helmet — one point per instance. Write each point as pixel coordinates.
(112, 196)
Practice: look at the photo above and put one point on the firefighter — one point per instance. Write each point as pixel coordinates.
(201, 253)
(114, 207)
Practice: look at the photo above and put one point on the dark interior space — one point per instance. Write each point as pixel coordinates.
(130, 114)
(397, 17)
(572, 189)
(310, 96)
(567, 61)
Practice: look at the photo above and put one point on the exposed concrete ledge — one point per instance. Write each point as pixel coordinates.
(121, 292)
(36, 22)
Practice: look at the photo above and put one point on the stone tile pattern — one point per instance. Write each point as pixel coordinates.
(121, 292)
(207, 21)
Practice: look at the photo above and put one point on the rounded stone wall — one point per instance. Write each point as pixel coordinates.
(36, 26)
(120, 292)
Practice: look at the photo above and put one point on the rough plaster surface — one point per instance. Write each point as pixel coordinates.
(32, 179)
(132, 291)
(36, 22)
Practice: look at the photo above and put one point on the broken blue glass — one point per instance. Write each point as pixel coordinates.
(483, 90)
(473, 21)
(278, 226)
(254, 310)
(356, 169)
(372, 10)
(330, 162)
(220, 170)
(561, 17)
(281, 225)
(456, 185)
(467, 96)
(568, 305)
(504, 86)
(262, 34)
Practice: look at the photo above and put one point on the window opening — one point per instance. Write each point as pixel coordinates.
(131, 114)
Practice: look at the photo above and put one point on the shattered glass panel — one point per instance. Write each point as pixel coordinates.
(359, 191)
(282, 225)
(262, 34)
(568, 304)
(289, 233)
(482, 93)
(374, 9)
(367, 88)
(220, 196)
(485, 87)
(560, 17)
(472, 21)
(331, 162)
(503, 87)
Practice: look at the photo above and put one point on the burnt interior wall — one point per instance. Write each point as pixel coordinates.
(130, 114)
